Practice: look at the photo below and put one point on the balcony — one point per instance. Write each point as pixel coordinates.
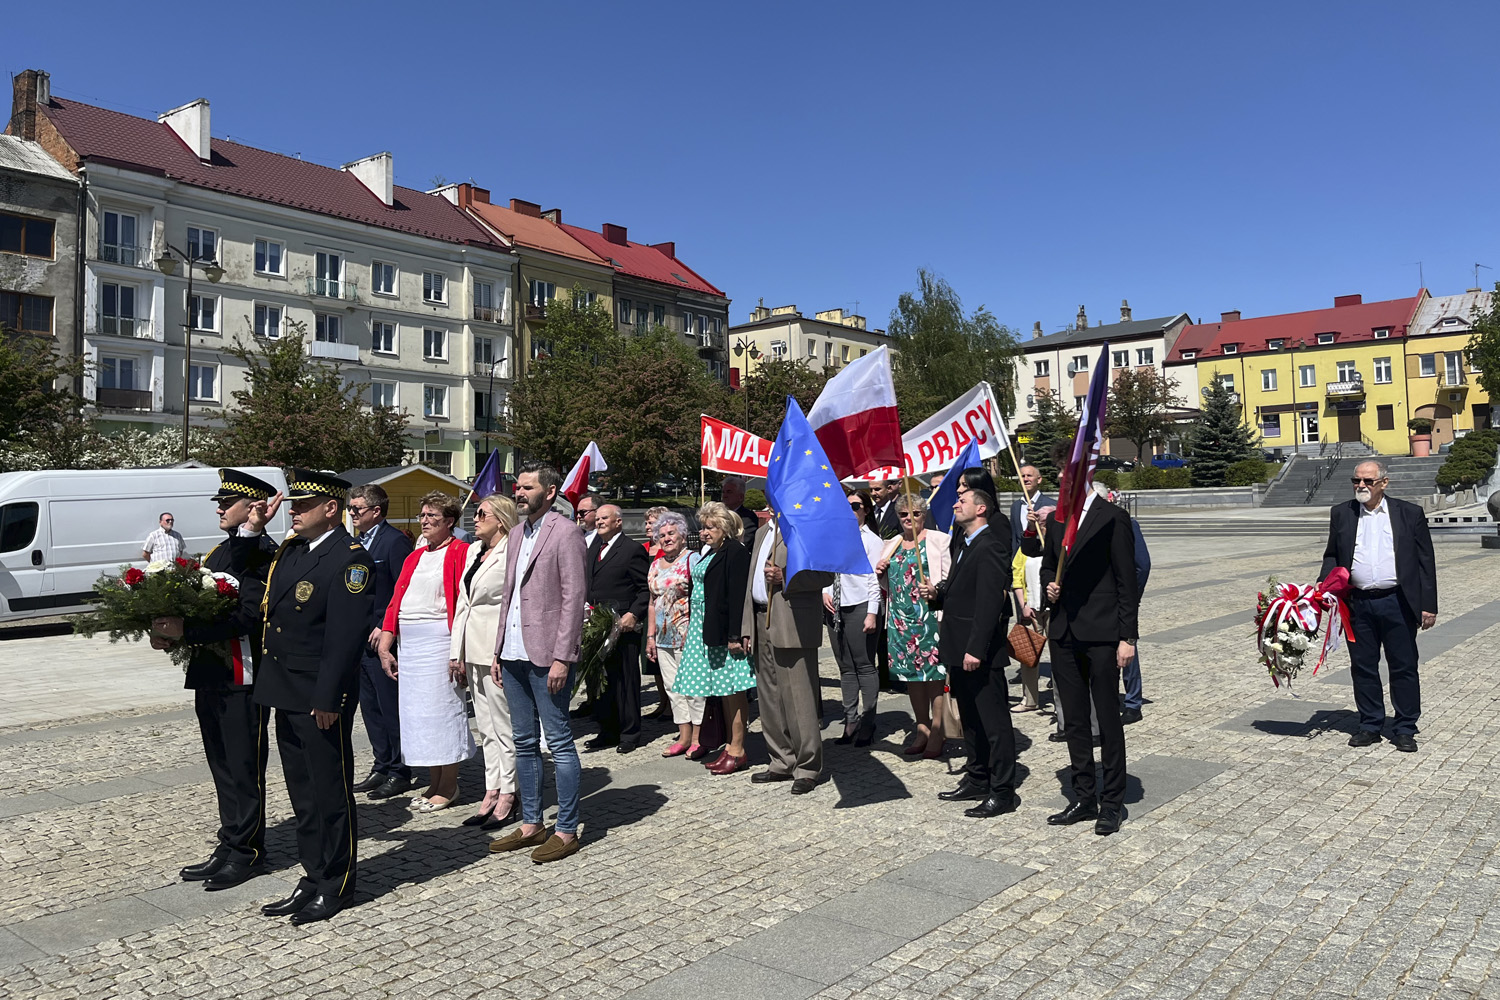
(124, 326)
(124, 399)
(332, 288)
(332, 350)
(1346, 387)
(491, 425)
(536, 313)
(486, 314)
(1454, 380)
(124, 253)
(482, 369)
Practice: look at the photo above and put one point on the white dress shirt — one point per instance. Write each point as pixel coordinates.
(604, 549)
(758, 593)
(315, 542)
(1374, 566)
(861, 588)
(514, 647)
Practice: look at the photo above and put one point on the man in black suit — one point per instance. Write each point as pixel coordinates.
(221, 675)
(1386, 547)
(972, 645)
(317, 614)
(617, 579)
(887, 519)
(379, 694)
(1093, 633)
(732, 493)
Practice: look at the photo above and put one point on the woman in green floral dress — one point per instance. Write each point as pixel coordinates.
(714, 660)
(911, 625)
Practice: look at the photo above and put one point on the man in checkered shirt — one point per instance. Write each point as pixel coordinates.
(163, 543)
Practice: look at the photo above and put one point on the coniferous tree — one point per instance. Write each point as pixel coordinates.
(1220, 438)
(1055, 423)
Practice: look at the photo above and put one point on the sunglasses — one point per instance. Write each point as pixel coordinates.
(481, 514)
(910, 517)
(1359, 481)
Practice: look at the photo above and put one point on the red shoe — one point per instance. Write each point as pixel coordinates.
(711, 764)
(730, 764)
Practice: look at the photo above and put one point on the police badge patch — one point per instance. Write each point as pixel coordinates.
(304, 590)
(356, 578)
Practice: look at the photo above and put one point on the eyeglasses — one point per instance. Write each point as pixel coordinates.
(1360, 481)
(430, 517)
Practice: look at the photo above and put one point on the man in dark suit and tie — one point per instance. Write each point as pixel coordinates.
(317, 613)
(972, 645)
(617, 579)
(379, 694)
(1093, 633)
(1386, 547)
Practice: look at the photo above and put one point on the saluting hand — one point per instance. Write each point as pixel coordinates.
(261, 513)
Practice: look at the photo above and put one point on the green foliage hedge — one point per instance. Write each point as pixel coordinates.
(1470, 460)
(1149, 477)
(1109, 477)
(1249, 472)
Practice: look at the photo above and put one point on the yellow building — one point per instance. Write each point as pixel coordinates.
(829, 340)
(1440, 380)
(1304, 378)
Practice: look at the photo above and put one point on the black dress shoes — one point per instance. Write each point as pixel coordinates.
(1405, 742)
(202, 872)
(967, 791)
(1076, 812)
(1130, 716)
(625, 746)
(300, 897)
(372, 781)
(1108, 821)
(1364, 738)
(599, 743)
(321, 907)
(761, 777)
(392, 786)
(801, 786)
(846, 738)
(1056, 737)
(994, 805)
(495, 821)
(232, 874)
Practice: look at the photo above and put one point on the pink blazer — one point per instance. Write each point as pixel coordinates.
(454, 557)
(551, 590)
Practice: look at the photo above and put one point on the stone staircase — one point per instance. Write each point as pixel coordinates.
(1411, 478)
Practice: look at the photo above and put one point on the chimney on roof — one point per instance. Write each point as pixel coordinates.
(553, 215)
(615, 234)
(29, 89)
(669, 248)
(190, 122)
(1083, 319)
(376, 173)
(1231, 316)
(530, 208)
(1124, 310)
(1036, 329)
(1347, 300)
(760, 312)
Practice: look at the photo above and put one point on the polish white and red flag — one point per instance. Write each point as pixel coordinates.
(855, 417)
(576, 484)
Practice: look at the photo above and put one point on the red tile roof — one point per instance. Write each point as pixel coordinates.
(523, 229)
(653, 263)
(1351, 323)
(110, 137)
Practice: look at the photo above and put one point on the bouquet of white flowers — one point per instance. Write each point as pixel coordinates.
(1294, 622)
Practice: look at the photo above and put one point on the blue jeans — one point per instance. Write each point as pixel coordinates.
(530, 702)
(1133, 698)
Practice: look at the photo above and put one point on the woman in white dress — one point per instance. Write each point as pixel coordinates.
(434, 724)
(476, 622)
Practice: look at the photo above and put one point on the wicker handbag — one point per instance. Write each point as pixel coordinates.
(1026, 644)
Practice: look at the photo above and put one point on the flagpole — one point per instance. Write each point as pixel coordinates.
(702, 494)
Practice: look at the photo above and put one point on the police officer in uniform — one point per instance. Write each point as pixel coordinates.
(317, 614)
(221, 673)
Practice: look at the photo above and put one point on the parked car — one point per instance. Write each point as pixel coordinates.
(1272, 456)
(1117, 464)
(1168, 460)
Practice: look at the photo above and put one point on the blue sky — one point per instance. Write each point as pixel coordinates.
(1037, 156)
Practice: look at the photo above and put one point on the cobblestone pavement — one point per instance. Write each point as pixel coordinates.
(1261, 857)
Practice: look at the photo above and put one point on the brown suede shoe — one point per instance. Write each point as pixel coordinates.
(555, 849)
(516, 840)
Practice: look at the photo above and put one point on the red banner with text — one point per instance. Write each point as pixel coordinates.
(733, 450)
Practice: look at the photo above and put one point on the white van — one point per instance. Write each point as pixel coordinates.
(61, 530)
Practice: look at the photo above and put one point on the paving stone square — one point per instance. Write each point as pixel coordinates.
(1261, 856)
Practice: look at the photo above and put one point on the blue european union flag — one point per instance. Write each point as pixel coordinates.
(820, 531)
(941, 503)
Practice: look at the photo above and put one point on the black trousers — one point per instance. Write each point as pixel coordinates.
(380, 707)
(984, 706)
(1381, 619)
(620, 714)
(234, 741)
(319, 767)
(1085, 674)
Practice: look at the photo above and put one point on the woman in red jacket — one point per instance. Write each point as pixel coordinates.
(434, 725)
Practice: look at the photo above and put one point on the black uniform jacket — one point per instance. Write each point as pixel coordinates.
(246, 559)
(317, 621)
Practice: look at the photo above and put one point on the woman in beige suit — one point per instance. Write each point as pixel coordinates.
(476, 622)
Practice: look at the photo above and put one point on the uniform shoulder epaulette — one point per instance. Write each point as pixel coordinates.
(355, 546)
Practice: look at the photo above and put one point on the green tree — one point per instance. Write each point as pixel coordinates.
(1484, 345)
(1220, 438)
(550, 405)
(765, 391)
(942, 352)
(39, 412)
(1055, 424)
(646, 405)
(294, 412)
(1137, 409)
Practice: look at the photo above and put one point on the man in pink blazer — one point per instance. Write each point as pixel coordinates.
(546, 578)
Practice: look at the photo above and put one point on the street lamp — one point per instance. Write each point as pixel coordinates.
(490, 419)
(167, 264)
(741, 346)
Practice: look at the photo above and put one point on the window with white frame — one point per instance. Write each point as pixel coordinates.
(117, 309)
(116, 372)
(1043, 369)
(642, 315)
(202, 244)
(625, 312)
(1307, 376)
(541, 292)
(1268, 380)
(1145, 355)
(434, 344)
(117, 243)
(778, 349)
(828, 353)
(1078, 404)
(1383, 333)
(383, 337)
(484, 351)
(1119, 359)
(1080, 363)
(1473, 363)
(583, 299)
(203, 382)
(203, 312)
(1231, 348)
(812, 348)
(383, 394)
(1453, 368)
(1426, 365)
(541, 347)
(484, 301)
(484, 405)
(658, 315)
(383, 278)
(1227, 381)
(844, 354)
(268, 257)
(1189, 355)
(329, 280)
(434, 287)
(268, 321)
(435, 400)
(1325, 338)
(1382, 371)
(327, 328)
(1276, 344)
(1347, 372)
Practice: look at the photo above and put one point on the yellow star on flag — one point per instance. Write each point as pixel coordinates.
(828, 486)
(825, 468)
(807, 452)
(817, 499)
(797, 505)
